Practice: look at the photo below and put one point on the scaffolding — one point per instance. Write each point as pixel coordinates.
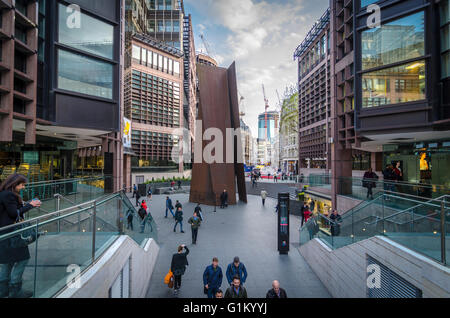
(315, 31)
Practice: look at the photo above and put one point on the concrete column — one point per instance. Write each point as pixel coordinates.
(376, 161)
(341, 166)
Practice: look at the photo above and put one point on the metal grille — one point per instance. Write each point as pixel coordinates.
(392, 285)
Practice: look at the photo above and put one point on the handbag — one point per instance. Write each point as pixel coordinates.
(26, 237)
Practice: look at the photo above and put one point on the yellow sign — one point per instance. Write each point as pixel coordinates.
(126, 133)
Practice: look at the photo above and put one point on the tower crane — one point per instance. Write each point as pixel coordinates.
(206, 44)
(266, 102)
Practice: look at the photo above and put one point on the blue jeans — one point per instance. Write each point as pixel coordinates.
(169, 209)
(12, 272)
(181, 225)
(212, 292)
(144, 222)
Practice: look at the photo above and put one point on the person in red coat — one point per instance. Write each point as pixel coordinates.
(307, 213)
(144, 205)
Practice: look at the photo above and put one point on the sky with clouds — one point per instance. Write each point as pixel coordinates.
(261, 36)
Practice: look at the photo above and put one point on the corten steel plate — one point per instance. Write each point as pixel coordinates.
(215, 111)
(236, 124)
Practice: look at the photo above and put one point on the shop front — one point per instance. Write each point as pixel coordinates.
(48, 159)
(425, 162)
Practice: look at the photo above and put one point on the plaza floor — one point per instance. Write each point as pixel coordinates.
(245, 230)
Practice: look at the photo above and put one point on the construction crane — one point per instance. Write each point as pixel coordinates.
(266, 102)
(241, 106)
(206, 44)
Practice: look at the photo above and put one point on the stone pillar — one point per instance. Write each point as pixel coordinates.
(376, 161)
(341, 169)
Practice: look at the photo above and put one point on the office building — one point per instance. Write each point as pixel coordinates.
(289, 132)
(60, 112)
(313, 56)
(154, 103)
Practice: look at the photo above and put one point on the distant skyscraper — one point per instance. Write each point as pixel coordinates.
(273, 119)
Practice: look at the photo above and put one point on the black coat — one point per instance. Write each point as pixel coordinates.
(224, 196)
(272, 294)
(179, 262)
(9, 206)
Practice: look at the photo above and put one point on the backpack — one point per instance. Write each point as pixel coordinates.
(142, 213)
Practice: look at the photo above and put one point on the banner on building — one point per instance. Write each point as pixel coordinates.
(126, 133)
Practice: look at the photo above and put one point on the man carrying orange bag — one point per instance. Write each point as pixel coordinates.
(178, 266)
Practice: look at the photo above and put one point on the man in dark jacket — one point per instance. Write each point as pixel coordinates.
(195, 223)
(178, 205)
(335, 226)
(224, 199)
(169, 207)
(236, 290)
(138, 196)
(276, 291)
(212, 278)
(389, 178)
(236, 269)
(14, 253)
(369, 182)
(178, 220)
(178, 266)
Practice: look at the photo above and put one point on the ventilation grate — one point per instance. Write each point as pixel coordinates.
(391, 284)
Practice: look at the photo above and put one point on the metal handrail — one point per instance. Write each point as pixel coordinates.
(63, 180)
(56, 213)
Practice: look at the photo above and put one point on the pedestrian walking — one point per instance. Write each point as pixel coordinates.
(389, 178)
(169, 206)
(224, 199)
(178, 205)
(138, 196)
(307, 214)
(275, 178)
(130, 215)
(178, 266)
(236, 290)
(178, 220)
(134, 190)
(236, 268)
(172, 185)
(14, 253)
(263, 196)
(369, 182)
(276, 291)
(212, 278)
(195, 223)
(149, 193)
(198, 210)
(179, 184)
(312, 205)
(302, 212)
(335, 226)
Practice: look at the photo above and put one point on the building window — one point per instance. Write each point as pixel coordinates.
(160, 26)
(84, 75)
(445, 38)
(176, 26)
(393, 42)
(168, 4)
(160, 4)
(365, 3)
(168, 26)
(151, 26)
(400, 84)
(136, 53)
(93, 36)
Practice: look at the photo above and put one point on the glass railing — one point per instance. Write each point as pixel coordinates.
(423, 227)
(59, 194)
(70, 240)
(357, 188)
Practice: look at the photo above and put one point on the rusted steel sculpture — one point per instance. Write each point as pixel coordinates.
(218, 108)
